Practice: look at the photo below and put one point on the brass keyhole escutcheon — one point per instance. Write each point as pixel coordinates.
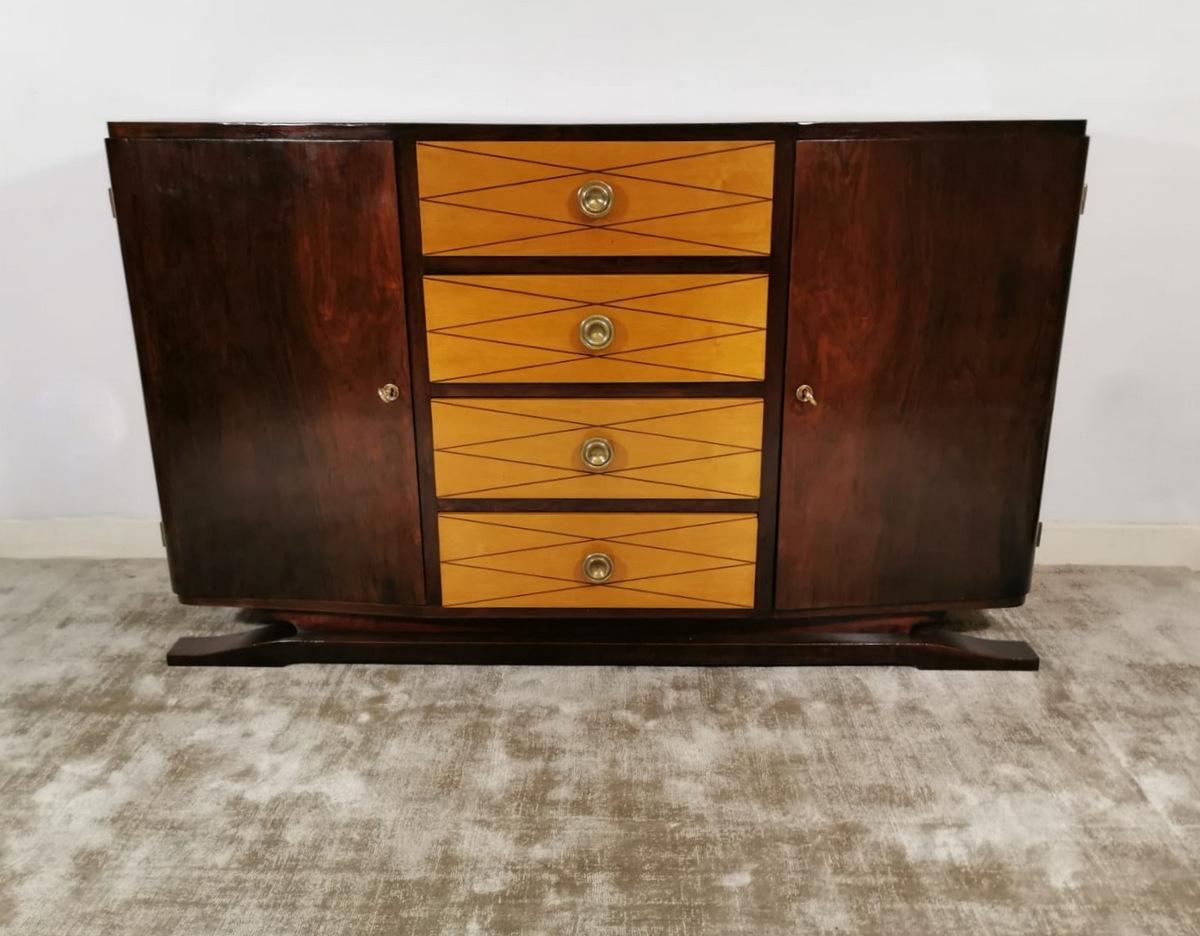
(804, 393)
(597, 567)
(595, 199)
(389, 393)
(596, 332)
(596, 454)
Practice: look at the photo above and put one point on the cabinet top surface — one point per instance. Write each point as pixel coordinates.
(632, 131)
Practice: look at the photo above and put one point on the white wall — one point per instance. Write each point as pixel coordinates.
(1126, 440)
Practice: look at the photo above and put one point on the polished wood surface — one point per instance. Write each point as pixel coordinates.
(434, 614)
(662, 448)
(660, 560)
(666, 300)
(682, 641)
(525, 329)
(813, 130)
(923, 302)
(928, 289)
(265, 285)
(777, 315)
(517, 198)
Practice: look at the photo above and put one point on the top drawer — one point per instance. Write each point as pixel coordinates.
(562, 198)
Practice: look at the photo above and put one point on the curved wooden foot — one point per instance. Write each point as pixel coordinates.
(653, 641)
(249, 648)
(936, 647)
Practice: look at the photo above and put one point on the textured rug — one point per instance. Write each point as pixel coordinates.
(136, 799)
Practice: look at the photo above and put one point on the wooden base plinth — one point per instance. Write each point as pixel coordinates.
(918, 641)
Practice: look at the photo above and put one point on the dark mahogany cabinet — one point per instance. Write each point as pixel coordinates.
(266, 285)
(745, 393)
(928, 284)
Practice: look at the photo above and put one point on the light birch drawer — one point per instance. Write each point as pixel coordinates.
(597, 448)
(598, 560)
(596, 329)
(578, 198)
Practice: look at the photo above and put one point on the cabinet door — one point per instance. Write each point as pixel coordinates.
(928, 289)
(265, 284)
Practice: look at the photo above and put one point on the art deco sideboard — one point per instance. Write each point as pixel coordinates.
(745, 393)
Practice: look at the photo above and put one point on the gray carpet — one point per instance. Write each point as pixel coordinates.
(136, 799)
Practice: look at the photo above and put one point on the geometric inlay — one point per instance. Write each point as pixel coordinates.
(666, 327)
(660, 560)
(671, 198)
(661, 448)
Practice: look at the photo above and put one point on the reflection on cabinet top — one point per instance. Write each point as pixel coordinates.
(872, 130)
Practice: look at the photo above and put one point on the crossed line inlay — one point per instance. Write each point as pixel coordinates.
(669, 367)
(584, 588)
(576, 539)
(577, 226)
(618, 356)
(575, 426)
(618, 170)
(453, 331)
(575, 302)
(620, 424)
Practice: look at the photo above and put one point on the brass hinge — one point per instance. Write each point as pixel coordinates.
(1037, 537)
(1083, 199)
(162, 533)
(112, 203)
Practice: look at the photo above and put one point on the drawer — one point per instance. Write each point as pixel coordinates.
(597, 448)
(556, 198)
(643, 327)
(635, 560)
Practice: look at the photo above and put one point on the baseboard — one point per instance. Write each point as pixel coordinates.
(1120, 544)
(88, 537)
(1062, 543)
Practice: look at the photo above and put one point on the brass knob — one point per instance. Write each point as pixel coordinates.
(595, 198)
(389, 393)
(804, 393)
(596, 332)
(597, 567)
(596, 454)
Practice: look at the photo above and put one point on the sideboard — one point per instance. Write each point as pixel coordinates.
(731, 393)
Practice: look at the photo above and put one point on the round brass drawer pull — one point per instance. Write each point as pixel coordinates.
(597, 567)
(596, 332)
(389, 393)
(596, 454)
(804, 393)
(595, 198)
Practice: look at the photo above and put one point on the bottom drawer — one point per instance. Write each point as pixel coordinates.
(598, 560)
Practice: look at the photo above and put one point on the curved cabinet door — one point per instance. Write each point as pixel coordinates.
(928, 290)
(265, 284)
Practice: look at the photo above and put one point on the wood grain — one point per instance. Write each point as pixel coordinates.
(685, 640)
(928, 291)
(265, 285)
(525, 329)
(592, 132)
(530, 448)
(671, 198)
(661, 560)
(410, 241)
(777, 315)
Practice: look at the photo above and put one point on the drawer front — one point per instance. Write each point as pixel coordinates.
(537, 560)
(527, 329)
(597, 448)
(666, 198)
